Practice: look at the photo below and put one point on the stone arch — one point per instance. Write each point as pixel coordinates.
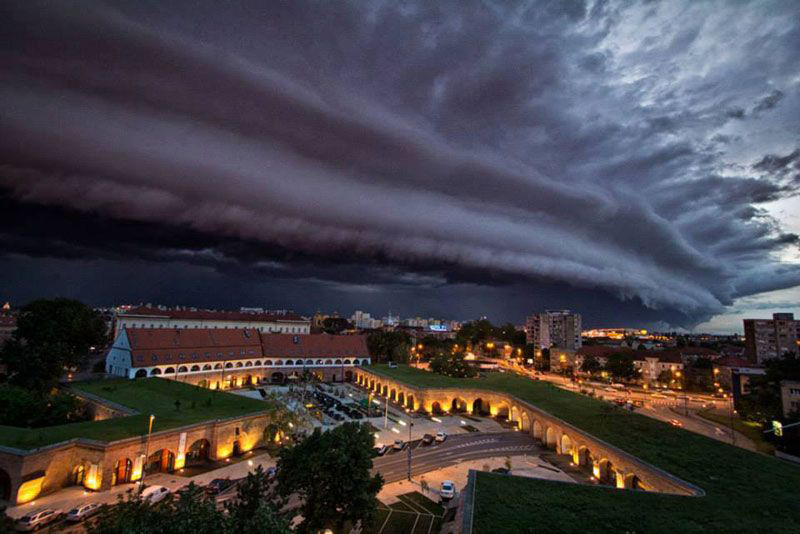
(169, 371)
(502, 411)
(410, 401)
(141, 373)
(238, 364)
(123, 470)
(550, 439)
(347, 362)
(309, 362)
(277, 377)
(228, 365)
(481, 407)
(320, 362)
(195, 368)
(436, 408)
(393, 394)
(183, 369)
(155, 372)
(206, 367)
(5, 486)
(514, 416)
(257, 363)
(458, 405)
(198, 452)
(348, 376)
(338, 362)
(385, 391)
(203, 383)
(538, 432)
(161, 461)
(218, 366)
(248, 364)
(565, 445)
(525, 422)
(278, 362)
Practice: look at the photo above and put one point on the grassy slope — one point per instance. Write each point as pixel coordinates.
(746, 492)
(148, 396)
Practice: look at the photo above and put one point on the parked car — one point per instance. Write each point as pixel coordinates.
(392, 365)
(38, 519)
(448, 490)
(218, 485)
(427, 439)
(383, 449)
(399, 445)
(82, 512)
(441, 436)
(675, 422)
(272, 472)
(154, 494)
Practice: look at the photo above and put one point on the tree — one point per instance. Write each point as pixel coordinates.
(591, 365)
(453, 364)
(250, 512)
(389, 346)
(33, 409)
(336, 325)
(51, 336)
(330, 474)
(620, 366)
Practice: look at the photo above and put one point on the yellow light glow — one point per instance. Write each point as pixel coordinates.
(596, 471)
(93, 480)
(180, 461)
(29, 490)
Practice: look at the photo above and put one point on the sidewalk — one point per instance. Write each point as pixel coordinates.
(68, 498)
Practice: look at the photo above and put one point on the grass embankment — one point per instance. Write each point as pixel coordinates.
(745, 492)
(147, 396)
(748, 429)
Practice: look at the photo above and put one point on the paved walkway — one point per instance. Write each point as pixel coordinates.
(70, 497)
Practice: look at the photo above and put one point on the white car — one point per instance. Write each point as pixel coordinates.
(154, 494)
(82, 512)
(399, 444)
(38, 519)
(441, 436)
(448, 490)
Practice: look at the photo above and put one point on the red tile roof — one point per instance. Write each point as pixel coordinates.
(314, 345)
(214, 315)
(158, 346)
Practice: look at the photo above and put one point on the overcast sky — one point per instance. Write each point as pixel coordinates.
(637, 162)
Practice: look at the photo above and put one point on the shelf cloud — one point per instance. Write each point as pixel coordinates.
(626, 148)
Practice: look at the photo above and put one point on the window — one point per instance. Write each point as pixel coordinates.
(154, 357)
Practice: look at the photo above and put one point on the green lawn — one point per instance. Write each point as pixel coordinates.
(749, 429)
(147, 396)
(745, 492)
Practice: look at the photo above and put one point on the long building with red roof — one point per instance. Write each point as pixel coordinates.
(222, 358)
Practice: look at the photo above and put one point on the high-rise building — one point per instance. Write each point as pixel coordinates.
(554, 328)
(771, 338)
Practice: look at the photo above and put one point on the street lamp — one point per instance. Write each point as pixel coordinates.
(410, 424)
(146, 452)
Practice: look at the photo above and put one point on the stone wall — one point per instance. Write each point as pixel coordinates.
(608, 463)
(56, 466)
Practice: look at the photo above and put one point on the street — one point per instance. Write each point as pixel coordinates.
(394, 465)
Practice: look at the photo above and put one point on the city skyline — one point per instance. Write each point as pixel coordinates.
(636, 163)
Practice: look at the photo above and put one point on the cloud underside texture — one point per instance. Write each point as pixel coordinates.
(575, 143)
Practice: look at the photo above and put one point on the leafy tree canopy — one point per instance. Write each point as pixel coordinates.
(330, 474)
(51, 336)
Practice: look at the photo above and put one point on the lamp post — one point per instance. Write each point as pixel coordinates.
(146, 452)
(410, 424)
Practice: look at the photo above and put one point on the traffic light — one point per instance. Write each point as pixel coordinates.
(777, 427)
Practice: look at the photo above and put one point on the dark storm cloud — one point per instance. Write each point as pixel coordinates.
(488, 143)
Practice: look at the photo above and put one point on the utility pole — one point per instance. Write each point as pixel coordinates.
(146, 452)
(410, 424)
